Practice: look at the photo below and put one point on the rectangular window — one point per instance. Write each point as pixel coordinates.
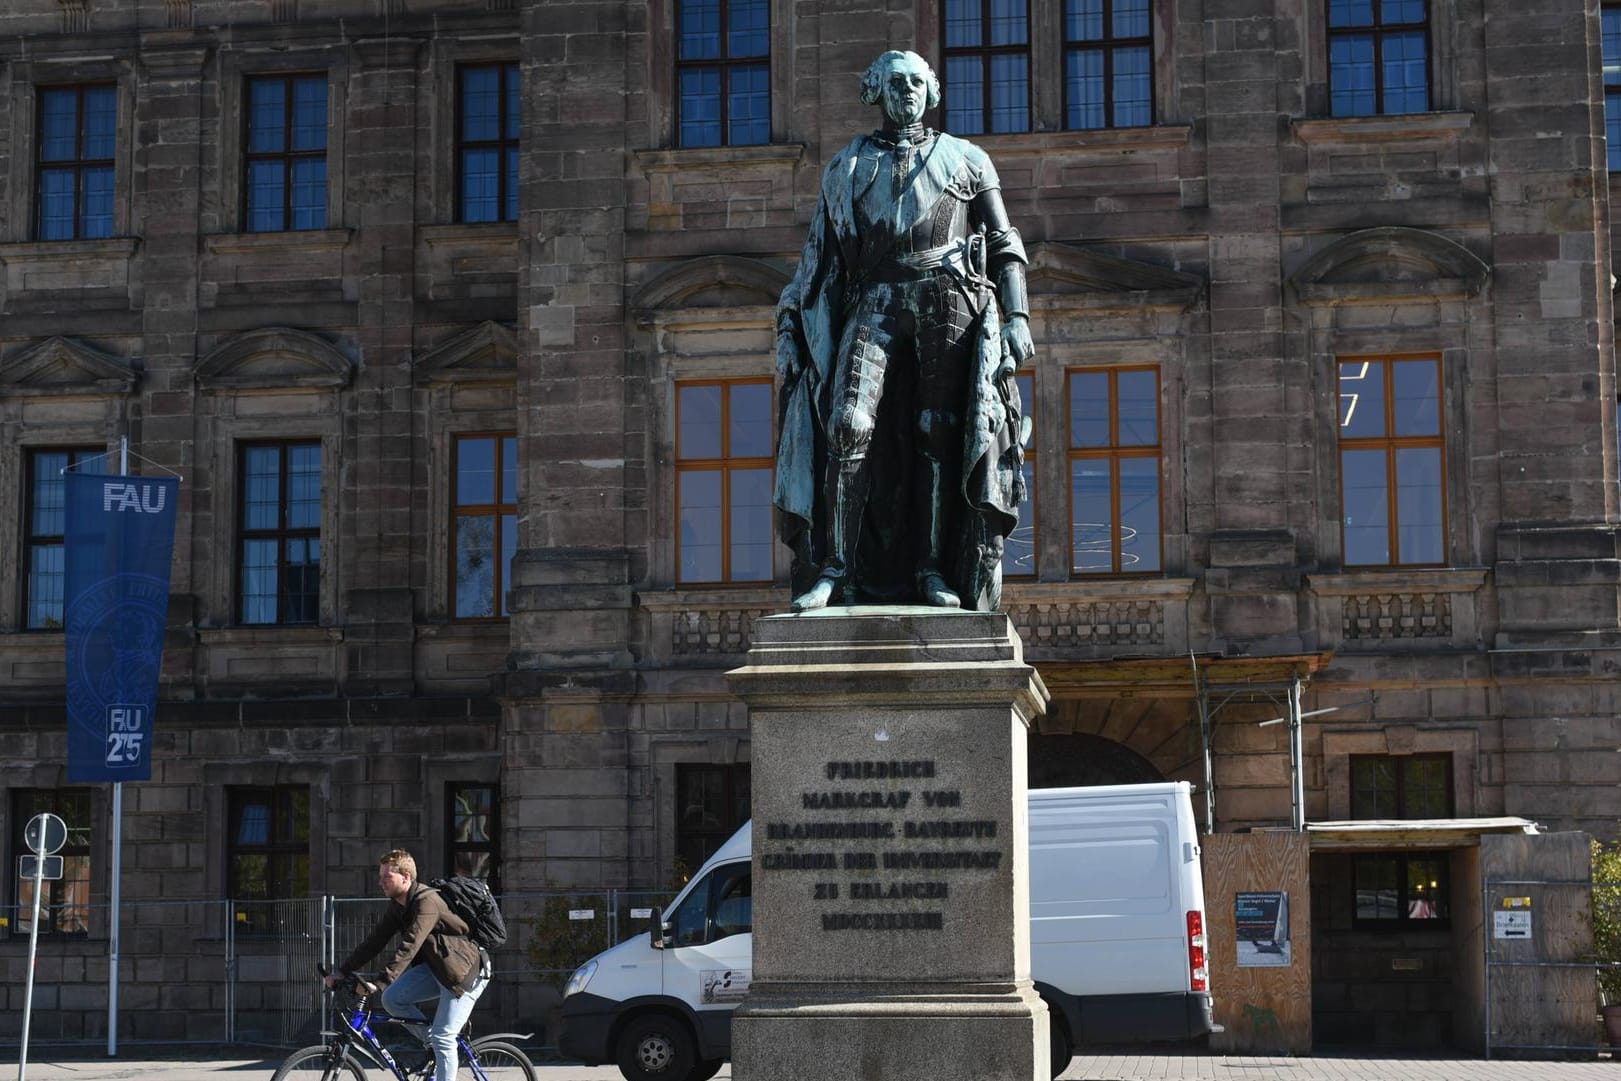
(65, 902)
(284, 172)
(471, 831)
(279, 561)
(1019, 550)
(1610, 14)
(723, 452)
(484, 523)
(987, 66)
(44, 508)
(723, 72)
(711, 803)
(1378, 57)
(1108, 64)
(1392, 462)
(487, 143)
(77, 139)
(1114, 460)
(1406, 890)
(267, 851)
(1401, 786)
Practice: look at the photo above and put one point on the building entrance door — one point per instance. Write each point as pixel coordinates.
(1384, 948)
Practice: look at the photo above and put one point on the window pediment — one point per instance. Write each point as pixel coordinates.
(64, 366)
(713, 281)
(1390, 263)
(275, 357)
(1063, 277)
(486, 354)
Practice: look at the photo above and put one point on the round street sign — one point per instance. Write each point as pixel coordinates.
(45, 834)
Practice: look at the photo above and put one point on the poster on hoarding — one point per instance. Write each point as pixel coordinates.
(1262, 929)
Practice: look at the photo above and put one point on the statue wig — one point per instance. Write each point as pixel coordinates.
(872, 82)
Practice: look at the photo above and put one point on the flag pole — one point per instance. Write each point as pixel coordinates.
(118, 858)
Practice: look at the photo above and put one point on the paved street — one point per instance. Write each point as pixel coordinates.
(1124, 1067)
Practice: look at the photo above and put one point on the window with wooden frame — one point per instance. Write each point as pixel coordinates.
(1108, 64)
(1401, 786)
(723, 72)
(44, 511)
(724, 464)
(284, 171)
(484, 523)
(1019, 550)
(487, 115)
(1114, 471)
(1378, 57)
(64, 902)
(711, 802)
(77, 140)
(1398, 891)
(279, 544)
(1392, 461)
(267, 851)
(985, 47)
(472, 831)
(1610, 16)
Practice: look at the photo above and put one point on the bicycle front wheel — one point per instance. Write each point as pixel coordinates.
(500, 1061)
(319, 1064)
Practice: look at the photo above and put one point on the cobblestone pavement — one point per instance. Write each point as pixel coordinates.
(47, 1066)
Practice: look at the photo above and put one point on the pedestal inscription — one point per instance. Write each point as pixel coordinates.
(891, 892)
(863, 850)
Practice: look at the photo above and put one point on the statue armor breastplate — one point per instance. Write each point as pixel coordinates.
(885, 241)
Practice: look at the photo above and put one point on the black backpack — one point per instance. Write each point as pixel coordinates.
(470, 899)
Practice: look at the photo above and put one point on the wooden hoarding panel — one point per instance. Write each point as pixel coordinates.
(1533, 1002)
(1264, 1005)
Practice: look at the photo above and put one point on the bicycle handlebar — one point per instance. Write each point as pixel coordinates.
(349, 981)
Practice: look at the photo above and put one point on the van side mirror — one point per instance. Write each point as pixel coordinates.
(660, 929)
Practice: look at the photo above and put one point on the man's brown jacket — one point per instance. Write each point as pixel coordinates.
(430, 934)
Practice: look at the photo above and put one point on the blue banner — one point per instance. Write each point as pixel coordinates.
(118, 540)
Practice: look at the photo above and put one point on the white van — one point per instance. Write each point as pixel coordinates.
(1117, 942)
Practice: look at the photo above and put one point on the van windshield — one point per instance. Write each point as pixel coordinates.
(720, 905)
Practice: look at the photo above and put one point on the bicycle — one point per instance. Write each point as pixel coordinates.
(354, 1045)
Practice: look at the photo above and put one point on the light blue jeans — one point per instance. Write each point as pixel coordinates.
(417, 985)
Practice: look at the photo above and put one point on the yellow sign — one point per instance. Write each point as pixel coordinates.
(1516, 902)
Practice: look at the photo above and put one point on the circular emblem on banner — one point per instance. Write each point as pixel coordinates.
(115, 642)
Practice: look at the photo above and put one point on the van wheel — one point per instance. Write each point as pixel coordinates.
(706, 1069)
(1060, 1048)
(656, 1047)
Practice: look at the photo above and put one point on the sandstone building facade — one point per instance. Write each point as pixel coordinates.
(456, 317)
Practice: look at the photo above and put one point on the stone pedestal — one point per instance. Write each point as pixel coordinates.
(891, 849)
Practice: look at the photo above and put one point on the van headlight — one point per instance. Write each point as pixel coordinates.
(582, 976)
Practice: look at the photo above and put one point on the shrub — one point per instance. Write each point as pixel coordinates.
(1607, 919)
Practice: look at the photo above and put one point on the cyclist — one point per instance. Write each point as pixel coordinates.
(435, 960)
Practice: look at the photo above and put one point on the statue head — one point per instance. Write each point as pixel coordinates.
(903, 84)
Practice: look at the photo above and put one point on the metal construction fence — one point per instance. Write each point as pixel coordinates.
(246, 972)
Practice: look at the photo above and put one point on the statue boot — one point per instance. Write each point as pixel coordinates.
(846, 509)
(931, 583)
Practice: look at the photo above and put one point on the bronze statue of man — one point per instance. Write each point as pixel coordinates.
(899, 448)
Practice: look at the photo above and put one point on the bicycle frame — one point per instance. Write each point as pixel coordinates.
(357, 1034)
